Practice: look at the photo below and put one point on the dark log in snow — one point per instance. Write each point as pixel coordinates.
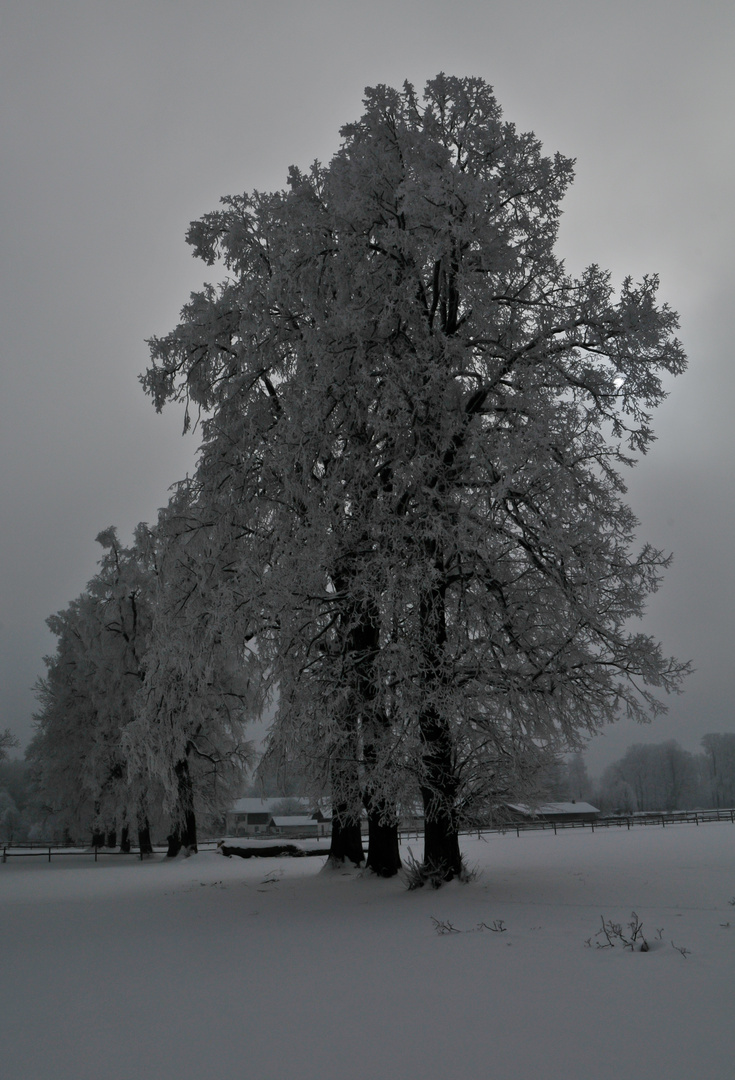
(269, 852)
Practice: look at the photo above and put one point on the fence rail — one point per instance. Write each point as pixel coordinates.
(49, 851)
(700, 817)
(677, 817)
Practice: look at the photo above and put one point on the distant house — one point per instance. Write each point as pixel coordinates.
(255, 817)
(248, 817)
(295, 825)
(556, 811)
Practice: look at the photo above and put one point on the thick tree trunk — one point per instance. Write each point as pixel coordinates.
(111, 839)
(98, 838)
(174, 844)
(439, 788)
(184, 831)
(346, 797)
(439, 793)
(384, 857)
(188, 823)
(144, 838)
(364, 647)
(442, 857)
(125, 840)
(346, 838)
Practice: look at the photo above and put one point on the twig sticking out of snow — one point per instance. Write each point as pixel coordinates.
(614, 934)
(444, 927)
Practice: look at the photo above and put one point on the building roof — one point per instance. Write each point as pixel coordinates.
(292, 821)
(554, 808)
(262, 806)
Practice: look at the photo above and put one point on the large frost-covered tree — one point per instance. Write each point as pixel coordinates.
(415, 428)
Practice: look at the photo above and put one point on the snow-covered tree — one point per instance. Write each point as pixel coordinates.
(416, 425)
(719, 753)
(88, 697)
(199, 688)
(661, 776)
(7, 742)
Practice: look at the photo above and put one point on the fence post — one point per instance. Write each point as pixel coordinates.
(95, 853)
(49, 853)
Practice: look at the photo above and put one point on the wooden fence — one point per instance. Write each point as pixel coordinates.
(699, 817)
(49, 851)
(677, 817)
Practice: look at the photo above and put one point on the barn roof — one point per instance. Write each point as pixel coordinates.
(554, 808)
(262, 806)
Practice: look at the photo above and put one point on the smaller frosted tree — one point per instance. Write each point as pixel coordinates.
(7, 742)
(719, 754)
(199, 689)
(88, 697)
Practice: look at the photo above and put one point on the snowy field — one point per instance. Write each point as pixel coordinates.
(269, 969)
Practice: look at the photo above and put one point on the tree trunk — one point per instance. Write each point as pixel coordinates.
(187, 826)
(174, 844)
(346, 796)
(125, 840)
(346, 839)
(98, 838)
(383, 850)
(144, 838)
(346, 808)
(440, 783)
(439, 792)
(111, 839)
(442, 857)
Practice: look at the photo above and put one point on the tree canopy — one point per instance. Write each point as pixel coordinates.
(415, 428)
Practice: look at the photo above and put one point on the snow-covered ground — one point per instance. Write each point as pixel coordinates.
(268, 969)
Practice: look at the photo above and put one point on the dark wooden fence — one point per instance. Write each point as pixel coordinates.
(49, 851)
(698, 817)
(676, 817)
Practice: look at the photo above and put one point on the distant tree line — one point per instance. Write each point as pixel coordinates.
(406, 531)
(663, 776)
(656, 777)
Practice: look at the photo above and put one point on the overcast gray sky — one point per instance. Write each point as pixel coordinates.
(122, 122)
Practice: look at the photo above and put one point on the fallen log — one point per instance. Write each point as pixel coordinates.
(270, 852)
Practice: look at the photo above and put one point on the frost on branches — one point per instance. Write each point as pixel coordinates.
(88, 698)
(197, 691)
(128, 738)
(415, 425)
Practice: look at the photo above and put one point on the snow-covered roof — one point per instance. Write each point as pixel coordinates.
(555, 808)
(292, 820)
(263, 806)
(251, 806)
